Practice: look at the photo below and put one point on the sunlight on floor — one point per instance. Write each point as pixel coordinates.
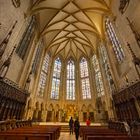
(67, 136)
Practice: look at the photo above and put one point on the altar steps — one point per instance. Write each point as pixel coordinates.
(64, 128)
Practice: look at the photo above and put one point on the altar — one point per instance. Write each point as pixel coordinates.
(65, 123)
(71, 111)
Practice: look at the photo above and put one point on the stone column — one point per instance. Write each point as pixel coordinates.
(5, 108)
(8, 109)
(43, 115)
(80, 115)
(59, 116)
(53, 115)
(15, 109)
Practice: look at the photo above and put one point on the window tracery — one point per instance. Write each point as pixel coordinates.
(43, 76)
(98, 76)
(114, 40)
(26, 39)
(56, 79)
(106, 67)
(37, 57)
(70, 80)
(85, 84)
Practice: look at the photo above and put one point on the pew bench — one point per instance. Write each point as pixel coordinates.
(32, 133)
(112, 138)
(25, 137)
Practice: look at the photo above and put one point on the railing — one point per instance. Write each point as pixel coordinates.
(119, 126)
(12, 124)
(12, 100)
(133, 129)
(126, 103)
(128, 93)
(11, 90)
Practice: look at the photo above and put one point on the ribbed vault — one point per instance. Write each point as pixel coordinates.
(71, 27)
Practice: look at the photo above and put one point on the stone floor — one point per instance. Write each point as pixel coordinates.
(67, 136)
(66, 123)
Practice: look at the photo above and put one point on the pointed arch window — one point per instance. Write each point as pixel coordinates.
(85, 79)
(106, 67)
(56, 79)
(43, 76)
(37, 57)
(98, 76)
(114, 40)
(24, 44)
(70, 80)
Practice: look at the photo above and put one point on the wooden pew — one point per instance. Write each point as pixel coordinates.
(112, 138)
(103, 132)
(85, 136)
(32, 133)
(25, 137)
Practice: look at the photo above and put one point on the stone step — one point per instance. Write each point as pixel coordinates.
(64, 128)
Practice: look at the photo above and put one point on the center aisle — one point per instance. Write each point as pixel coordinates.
(67, 136)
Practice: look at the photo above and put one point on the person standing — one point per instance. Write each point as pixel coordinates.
(71, 125)
(88, 122)
(76, 128)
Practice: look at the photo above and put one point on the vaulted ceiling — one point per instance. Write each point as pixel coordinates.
(71, 27)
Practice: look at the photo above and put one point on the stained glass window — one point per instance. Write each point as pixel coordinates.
(98, 77)
(37, 57)
(43, 76)
(85, 79)
(70, 80)
(114, 40)
(107, 67)
(23, 45)
(56, 79)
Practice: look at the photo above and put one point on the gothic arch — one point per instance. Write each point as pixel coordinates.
(90, 108)
(58, 56)
(57, 107)
(37, 105)
(84, 56)
(51, 107)
(29, 104)
(42, 106)
(84, 108)
(104, 105)
(71, 58)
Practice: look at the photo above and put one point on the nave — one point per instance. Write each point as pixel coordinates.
(26, 130)
(67, 136)
(69, 58)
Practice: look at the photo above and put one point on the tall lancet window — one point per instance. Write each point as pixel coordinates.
(85, 79)
(43, 76)
(114, 40)
(24, 44)
(106, 66)
(56, 79)
(98, 77)
(70, 80)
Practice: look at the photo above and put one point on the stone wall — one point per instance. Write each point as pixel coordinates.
(8, 15)
(126, 35)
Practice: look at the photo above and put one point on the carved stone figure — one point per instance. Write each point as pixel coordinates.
(123, 5)
(4, 43)
(135, 32)
(16, 3)
(4, 68)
